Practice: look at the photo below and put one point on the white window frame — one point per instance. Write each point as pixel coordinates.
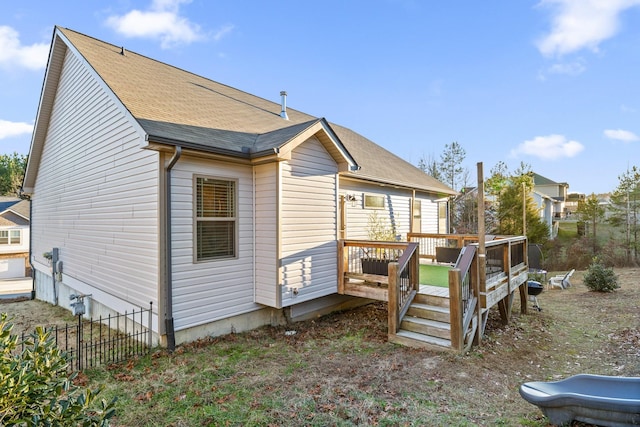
(233, 252)
(11, 239)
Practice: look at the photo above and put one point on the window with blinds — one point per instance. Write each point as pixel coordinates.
(216, 218)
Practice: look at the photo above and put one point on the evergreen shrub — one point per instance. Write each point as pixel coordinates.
(600, 278)
(36, 388)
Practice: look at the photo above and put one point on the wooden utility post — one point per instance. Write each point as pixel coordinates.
(480, 282)
(524, 209)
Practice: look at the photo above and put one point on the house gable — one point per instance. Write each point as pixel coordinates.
(10, 219)
(59, 47)
(95, 192)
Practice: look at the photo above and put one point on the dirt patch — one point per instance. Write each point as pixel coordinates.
(26, 314)
(340, 369)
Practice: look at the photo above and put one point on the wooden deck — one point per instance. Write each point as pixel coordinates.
(452, 317)
(436, 291)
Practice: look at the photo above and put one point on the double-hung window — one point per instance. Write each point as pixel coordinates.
(216, 218)
(10, 237)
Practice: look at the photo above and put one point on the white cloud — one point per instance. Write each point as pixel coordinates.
(162, 21)
(567, 68)
(10, 129)
(223, 32)
(550, 147)
(570, 68)
(580, 24)
(13, 54)
(626, 109)
(621, 135)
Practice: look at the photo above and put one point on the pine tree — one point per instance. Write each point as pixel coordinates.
(430, 166)
(625, 204)
(590, 210)
(513, 194)
(451, 169)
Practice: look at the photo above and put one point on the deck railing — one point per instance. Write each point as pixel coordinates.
(385, 271)
(430, 242)
(506, 269)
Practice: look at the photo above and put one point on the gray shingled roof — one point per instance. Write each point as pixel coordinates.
(15, 205)
(175, 106)
(7, 202)
(541, 180)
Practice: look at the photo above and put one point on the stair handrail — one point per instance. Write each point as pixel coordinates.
(403, 285)
(463, 301)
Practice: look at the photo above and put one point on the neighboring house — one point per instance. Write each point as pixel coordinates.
(604, 201)
(572, 203)
(546, 209)
(150, 183)
(14, 238)
(557, 191)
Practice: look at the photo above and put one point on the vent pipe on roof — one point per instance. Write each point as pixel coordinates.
(123, 52)
(283, 112)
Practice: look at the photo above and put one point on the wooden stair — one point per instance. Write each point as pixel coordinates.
(426, 324)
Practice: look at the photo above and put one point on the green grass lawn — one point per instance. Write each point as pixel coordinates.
(435, 275)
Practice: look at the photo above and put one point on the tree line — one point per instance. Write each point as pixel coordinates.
(509, 205)
(510, 208)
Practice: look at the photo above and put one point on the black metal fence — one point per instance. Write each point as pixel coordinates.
(105, 340)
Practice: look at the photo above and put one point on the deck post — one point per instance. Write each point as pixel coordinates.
(343, 259)
(482, 257)
(524, 297)
(456, 309)
(415, 268)
(392, 304)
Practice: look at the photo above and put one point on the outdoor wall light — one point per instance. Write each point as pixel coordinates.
(352, 198)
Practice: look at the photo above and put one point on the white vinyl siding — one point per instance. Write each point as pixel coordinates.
(267, 289)
(210, 290)
(396, 212)
(308, 224)
(96, 193)
(429, 215)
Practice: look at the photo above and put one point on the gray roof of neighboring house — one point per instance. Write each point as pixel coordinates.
(174, 106)
(11, 208)
(7, 202)
(541, 180)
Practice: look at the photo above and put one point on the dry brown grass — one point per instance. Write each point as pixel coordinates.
(340, 369)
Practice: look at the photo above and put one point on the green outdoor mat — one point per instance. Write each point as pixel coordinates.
(435, 275)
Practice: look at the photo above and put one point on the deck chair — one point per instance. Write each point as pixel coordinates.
(561, 280)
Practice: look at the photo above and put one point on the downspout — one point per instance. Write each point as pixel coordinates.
(168, 311)
(33, 275)
(253, 237)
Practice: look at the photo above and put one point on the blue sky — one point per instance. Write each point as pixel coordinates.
(552, 83)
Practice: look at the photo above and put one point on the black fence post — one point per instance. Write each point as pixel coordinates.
(149, 328)
(79, 344)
